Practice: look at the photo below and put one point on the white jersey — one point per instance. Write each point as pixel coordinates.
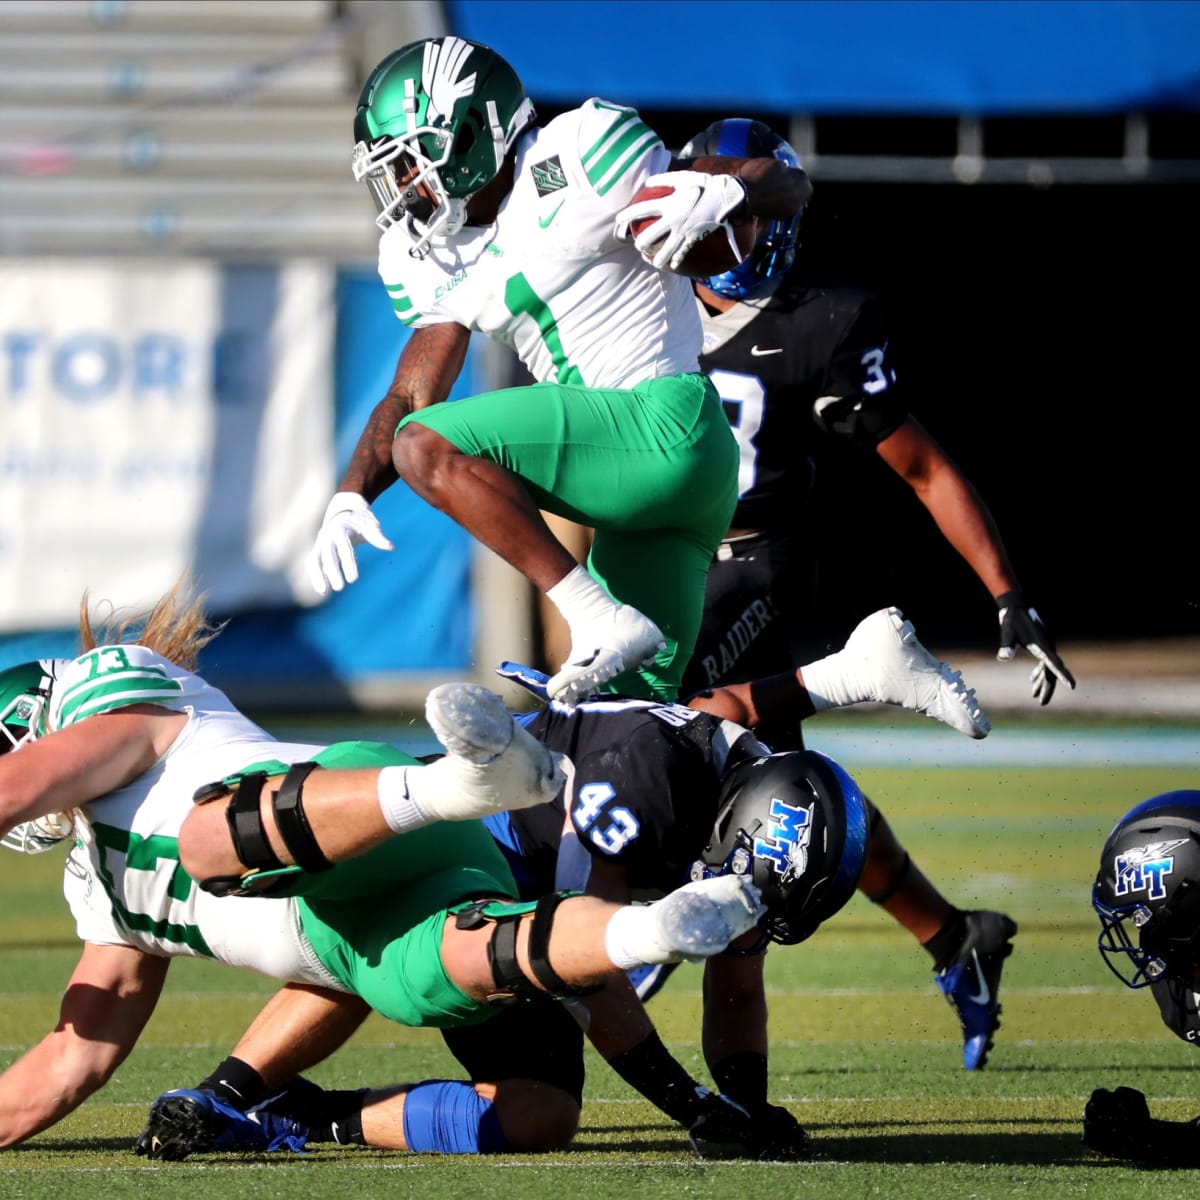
(549, 279)
(124, 881)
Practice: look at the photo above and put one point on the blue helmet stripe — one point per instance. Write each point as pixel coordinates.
(1181, 799)
(732, 138)
(854, 853)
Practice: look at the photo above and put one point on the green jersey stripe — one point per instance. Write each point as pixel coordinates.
(99, 697)
(628, 161)
(401, 304)
(624, 117)
(615, 145)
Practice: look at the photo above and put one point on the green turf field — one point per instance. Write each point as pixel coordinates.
(864, 1050)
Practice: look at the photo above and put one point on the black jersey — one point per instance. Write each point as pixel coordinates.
(807, 359)
(1180, 1009)
(642, 793)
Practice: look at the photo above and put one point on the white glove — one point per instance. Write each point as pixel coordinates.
(698, 204)
(348, 522)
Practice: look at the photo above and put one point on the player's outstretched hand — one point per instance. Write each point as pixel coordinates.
(1118, 1124)
(348, 522)
(1020, 625)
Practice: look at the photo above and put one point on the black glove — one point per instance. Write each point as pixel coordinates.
(779, 1137)
(1020, 625)
(1118, 1124)
(725, 1129)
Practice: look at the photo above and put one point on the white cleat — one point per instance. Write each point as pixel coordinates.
(492, 764)
(700, 919)
(899, 670)
(624, 639)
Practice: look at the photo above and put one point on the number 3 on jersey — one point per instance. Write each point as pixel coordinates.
(609, 827)
(743, 397)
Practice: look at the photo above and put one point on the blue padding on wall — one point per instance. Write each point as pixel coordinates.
(983, 57)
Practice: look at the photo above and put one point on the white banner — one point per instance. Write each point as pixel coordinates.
(157, 416)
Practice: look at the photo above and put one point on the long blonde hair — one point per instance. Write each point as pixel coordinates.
(177, 627)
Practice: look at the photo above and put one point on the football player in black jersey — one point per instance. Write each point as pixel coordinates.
(795, 362)
(1147, 896)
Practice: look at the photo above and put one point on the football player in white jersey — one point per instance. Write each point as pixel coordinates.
(493, 223)
(120, 745)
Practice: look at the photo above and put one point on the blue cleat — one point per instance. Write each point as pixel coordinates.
(188, 1121)
(971, 983)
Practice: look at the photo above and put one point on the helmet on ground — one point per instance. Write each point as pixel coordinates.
(775, 250)
(796, 824)
(1147, 891)
(435, 120)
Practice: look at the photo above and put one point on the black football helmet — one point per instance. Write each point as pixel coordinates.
(796, 823)
(1147, 892)
(775, 250)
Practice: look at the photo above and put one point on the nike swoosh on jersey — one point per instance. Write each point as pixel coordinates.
(544, 222)
(757, 353)
(985, 993)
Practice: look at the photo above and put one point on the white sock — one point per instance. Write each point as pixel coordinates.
(394, 789)
(631, 938)
(832, 682)
(580, 598)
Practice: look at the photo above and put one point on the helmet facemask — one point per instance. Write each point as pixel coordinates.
(401, 179)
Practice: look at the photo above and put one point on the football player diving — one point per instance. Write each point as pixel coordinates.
(1147, 896)
(492, 222)
(120, 745)
(655, 793)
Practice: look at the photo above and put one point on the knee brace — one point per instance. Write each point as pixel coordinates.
(512, 984)
(448, 1117)
(250, 844)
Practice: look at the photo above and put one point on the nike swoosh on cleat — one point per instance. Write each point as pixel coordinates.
(545, 222)
(985, 993)
(755, 352)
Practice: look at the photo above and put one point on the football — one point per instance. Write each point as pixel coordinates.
(711, 255)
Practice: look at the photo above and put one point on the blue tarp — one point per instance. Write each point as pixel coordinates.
(920, 57)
